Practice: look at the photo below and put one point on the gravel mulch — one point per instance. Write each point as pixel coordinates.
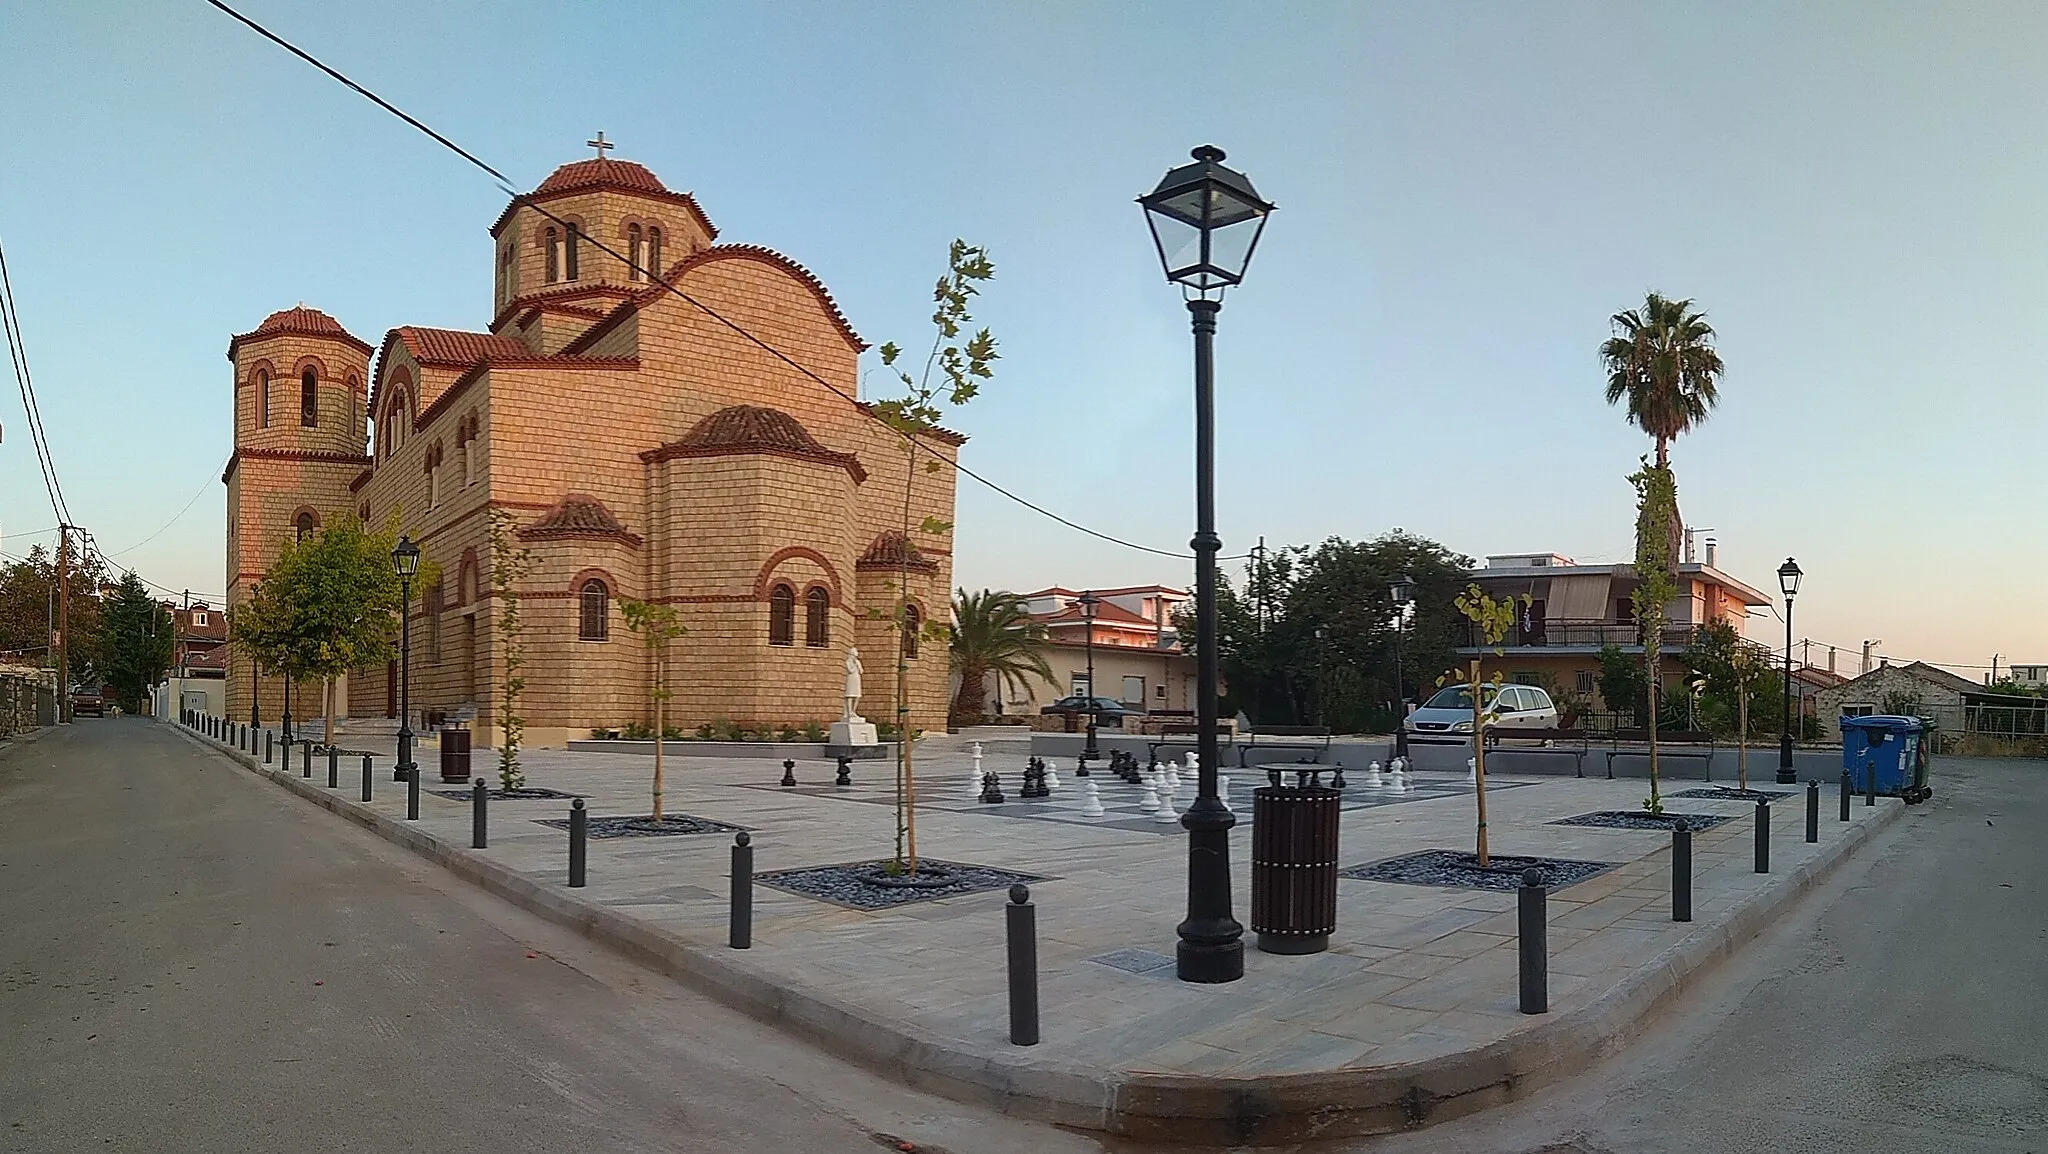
(1458, 869)
(670, 825)
(1725, 793)
(869, 886)
(526, 793)
(1643, 819)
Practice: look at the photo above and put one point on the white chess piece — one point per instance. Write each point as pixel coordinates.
(1166, 812)
(1148, 798)
(1052, 776)
(1172, 779)
(1373, 780)
(1091, 803)
(1223, 792)
(1398, 783)
(1471, 771)
(974, 783)
(1194, 762)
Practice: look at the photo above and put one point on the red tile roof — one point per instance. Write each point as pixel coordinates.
(298, 321)
(1107, 613)
(892, 550)
(578, 515)
(753, 429)
(457, 348)
(604, 173)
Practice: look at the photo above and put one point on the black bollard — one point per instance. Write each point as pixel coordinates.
(740, 935)
(1022, 931)
(479, 821)
(1681, 871)
(1845, 795)
(1532, 928)
(306, 761)
(241, 737)
(579, 829)
(412, 794)
(333, 768)
(366, 777)
(1763, 836)
(788, 773)
(1812, 812)
(1869, 783)
(266, 747)
(845, 771)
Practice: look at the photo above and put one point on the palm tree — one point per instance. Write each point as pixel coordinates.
(1661, 359)
(994, 633)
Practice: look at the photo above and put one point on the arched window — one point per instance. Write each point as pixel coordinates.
(569, 263)
(304, 526)
(309, 399)
(636, 251)
(597, 607)
(553, 244)
(505, 275)
(817, 618)
(355, 428)
(262, 398)
(782, 615)
(653, 252)
(913, 622)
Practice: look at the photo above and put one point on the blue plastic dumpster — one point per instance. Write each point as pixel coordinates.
(1889, 748)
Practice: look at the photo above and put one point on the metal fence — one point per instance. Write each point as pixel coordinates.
(25, 704)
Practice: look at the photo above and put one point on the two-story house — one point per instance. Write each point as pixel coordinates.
(1139, 661)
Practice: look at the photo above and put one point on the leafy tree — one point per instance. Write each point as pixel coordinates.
(1491, 619)
(137, 636)
(994, 634)
(1656, 584)
(1624, 686)
(28, 607)
(510, 562)
(329, 604)
(953, 372)
(657, 626)
(1661, 361)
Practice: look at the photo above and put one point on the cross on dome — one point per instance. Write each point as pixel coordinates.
(601, 144)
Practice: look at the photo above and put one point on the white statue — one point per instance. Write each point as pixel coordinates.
(852, 684)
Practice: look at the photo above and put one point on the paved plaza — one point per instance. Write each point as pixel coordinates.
(1419, 982)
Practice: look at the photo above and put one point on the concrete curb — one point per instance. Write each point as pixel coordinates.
(1190, 1109)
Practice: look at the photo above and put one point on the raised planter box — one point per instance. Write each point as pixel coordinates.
(774, 750)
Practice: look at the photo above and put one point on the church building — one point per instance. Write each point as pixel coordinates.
(648, 449)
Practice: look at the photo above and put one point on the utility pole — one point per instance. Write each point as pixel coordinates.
(63, 624)
(1806, 653)
(1259, 567)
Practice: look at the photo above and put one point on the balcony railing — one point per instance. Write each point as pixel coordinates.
(1559, 634)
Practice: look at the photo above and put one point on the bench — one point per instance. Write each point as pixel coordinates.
(1314, 737)
(1670, 743)
(1550, 738)
(1188, 735)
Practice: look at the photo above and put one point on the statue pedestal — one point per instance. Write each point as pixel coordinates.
(853, 734)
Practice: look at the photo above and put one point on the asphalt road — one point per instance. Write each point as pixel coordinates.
(193, 960)
(1902, 1007)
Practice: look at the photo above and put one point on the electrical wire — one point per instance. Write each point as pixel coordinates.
(17, 355)
(203, 487)
(656, 277)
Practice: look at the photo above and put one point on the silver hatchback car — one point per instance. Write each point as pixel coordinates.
(1446, 718)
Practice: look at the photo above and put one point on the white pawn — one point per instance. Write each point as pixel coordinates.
(1471, 771)
(1173, 779)
(1052, 776)
(1223, 792)
(1166, 812)
(1091, 802)
(1399, 782)
(1373, 780)
(1148, 798)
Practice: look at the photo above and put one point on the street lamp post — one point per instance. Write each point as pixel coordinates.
(255, 673)
(405, 561)
(1206, 221)
(287, 719)
(1403, 593)
(1788, 584)
(1322, 674)
(1089, 602)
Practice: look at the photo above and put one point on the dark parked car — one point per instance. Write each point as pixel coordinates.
(88, 701)
(1106, 708)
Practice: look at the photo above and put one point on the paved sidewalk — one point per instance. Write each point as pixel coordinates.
(1410, 1017)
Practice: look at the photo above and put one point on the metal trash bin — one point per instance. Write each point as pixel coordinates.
(454, 754)
(1294, 867)
(1890, 749)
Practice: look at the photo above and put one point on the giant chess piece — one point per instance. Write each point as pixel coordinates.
(1223, 792)
(1337, 777)
(1173, 778)
(974, 782)
(1052, 776)
(788, 773)
(1091, 800)
(991, 789)
(1194, 764)
(1398, 781)
(1166, 812)
(1034, 781)
(1373, 780)
(1471, 771)
(1148, 798)
(845, 771)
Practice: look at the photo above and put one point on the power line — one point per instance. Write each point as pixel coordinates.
(17, 355)
(203, 487)
(657, 278)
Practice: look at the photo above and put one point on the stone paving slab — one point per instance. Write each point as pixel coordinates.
(1410, 1017)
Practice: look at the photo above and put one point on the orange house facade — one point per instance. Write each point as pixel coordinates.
(645, 447)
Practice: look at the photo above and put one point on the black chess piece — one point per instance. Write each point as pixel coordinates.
(788, 773)
(1337, 778)
(1273, 778)
(991, 789)
(1081, 764)
(845, 771)
(1034, 783)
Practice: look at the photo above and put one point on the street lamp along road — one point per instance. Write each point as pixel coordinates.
(1788, 584)
(1403, 593)
(405, 561)
(1089, 602)
(1206, 221)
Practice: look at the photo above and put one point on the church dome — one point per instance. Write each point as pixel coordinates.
(301, 320)
(751, 427)
(602, 172)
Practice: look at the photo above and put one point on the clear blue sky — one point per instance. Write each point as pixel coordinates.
(1852, 191)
